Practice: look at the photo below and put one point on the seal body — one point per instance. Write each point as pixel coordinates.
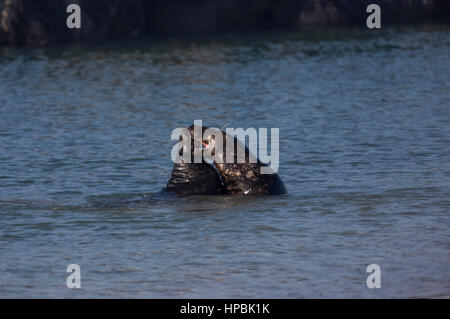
(246, 179)
(194, 179)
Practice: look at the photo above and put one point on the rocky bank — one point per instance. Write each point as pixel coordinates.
(43, 22)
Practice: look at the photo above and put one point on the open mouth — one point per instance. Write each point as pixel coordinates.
(204, 145)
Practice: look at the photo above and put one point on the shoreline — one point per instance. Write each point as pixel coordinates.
(25, 22)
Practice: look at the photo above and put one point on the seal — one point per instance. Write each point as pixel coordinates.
(194, 178)
(243, 178)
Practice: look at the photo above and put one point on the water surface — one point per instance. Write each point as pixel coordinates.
(364, 123)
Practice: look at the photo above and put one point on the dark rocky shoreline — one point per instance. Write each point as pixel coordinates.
(32, 22)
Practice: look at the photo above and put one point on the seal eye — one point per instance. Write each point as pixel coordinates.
(208, 140)
(205, 142)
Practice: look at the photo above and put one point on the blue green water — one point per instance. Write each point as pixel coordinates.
(364, 119)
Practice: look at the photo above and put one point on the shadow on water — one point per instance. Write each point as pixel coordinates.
(174, 203)
(149, 202)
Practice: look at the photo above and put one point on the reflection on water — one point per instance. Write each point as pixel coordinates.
(364, 138)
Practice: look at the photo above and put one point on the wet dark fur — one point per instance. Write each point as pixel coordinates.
(194, 178)
(246, 178)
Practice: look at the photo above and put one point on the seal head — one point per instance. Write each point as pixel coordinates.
(194, 178)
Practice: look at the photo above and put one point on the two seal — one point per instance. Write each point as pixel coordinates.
(220, 177)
